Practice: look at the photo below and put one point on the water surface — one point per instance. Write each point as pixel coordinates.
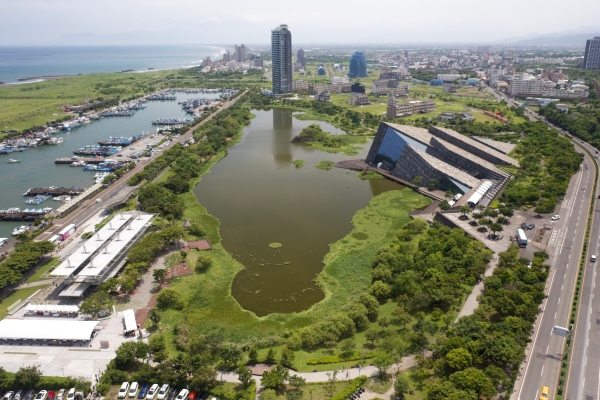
(260, 198)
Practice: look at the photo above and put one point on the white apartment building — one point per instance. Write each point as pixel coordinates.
(449, 77)
(299, 85)
(525, 86)
(340, 79)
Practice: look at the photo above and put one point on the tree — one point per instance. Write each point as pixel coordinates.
(380, 290)
(372, 336)
(465, 210)
(95, 303)
(444, 205)
(382, 361)
(270, 356)
(275, 379)
(417, 180)
(424, 326)
(459, 359)
(473, 379)
(154, 316)
(383, 322)
(496, 227)
(347, 347)
(401, 387)
(159, 274)
(157, 346)
(371, 304)
(204, 378)
(203, 263)
(297, 382)
(169, 298)
(196, 230)
(244, 375)
(252, 354)
(230, 355)
(28, 377)
(5, 379)
(141, 350)
(402, 317)
(268, 394)
(432, 183)
(287, 357)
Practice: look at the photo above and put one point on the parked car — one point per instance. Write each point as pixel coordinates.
(173, 393)
(182, 395)
(593, 258)
(523, 225)
(133, 389)
(29, 395)
(143, 391)
(555, 217)
(18, 395)
(71, 394)
(8, 395)
(51, 395)
(531, 226)
(123, 391)
(60, 394)
(152, 392)
(193, 395)
(42, 395)
(163, 392)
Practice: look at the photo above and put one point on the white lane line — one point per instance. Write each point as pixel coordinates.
(558, 300)
(547, 348)
(562, 245)
(598, 385)
(586, 360)
(555, 315)
(561, 287)
(542, 370)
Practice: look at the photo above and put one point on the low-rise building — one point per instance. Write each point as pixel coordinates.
(341, 87)
(359, 99)
(562, 107)
(395, 109)
(450, 88)
(299, 85)
(379, 87)
(322, 96)
(319, 87)
(449, 77)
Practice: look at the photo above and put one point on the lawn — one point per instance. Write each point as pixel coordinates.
(19, 294)
(37, 276)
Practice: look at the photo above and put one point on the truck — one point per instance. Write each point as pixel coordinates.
(67, 231)
(521, 238)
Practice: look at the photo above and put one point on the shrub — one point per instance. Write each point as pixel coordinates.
(203, 263)
(169, 298)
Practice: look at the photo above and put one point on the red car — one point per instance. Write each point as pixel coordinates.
(51, 396)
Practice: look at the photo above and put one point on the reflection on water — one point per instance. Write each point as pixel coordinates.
(260, 201)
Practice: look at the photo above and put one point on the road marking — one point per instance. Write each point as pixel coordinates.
(555, 314)
(542, 370)
(558, 300)
(547, 349)
(585, 360)
(561, 287)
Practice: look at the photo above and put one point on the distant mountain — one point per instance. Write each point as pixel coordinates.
(565, 38)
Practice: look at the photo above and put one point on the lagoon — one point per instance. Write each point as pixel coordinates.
(260, 197)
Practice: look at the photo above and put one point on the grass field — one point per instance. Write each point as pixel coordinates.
(37, 276)
(19, 294)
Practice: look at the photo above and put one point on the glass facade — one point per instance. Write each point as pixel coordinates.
(391, 147)
(281, 55)
(358, 65)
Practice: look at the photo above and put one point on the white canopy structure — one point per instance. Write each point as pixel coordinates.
(46, 329)
(51, 308)
(479, 193)
(129, 320)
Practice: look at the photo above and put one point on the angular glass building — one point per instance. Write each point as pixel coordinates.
(358, 65)
(281, 54)
(591, 60)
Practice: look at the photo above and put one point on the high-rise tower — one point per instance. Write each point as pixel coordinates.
(358, 65)
(281, 54)
(301, 59)
(591, 60)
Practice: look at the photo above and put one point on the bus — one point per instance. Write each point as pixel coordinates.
(521, 238)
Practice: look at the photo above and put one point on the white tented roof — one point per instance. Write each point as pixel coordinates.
(75, 290)
(46, 329)
(51, 308)
(114, 247)
(82, 254)
(129, 320)
(479, 193)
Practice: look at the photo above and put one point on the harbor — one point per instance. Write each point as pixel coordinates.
(49, 165)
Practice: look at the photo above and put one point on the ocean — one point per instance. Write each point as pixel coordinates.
(30, 61)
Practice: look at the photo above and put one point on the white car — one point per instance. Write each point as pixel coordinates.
(71, 394)
(18, 395)
(8, 396)
(133, 389)
(152, 392)
(163, 392)
(61, 394)
(555, 217)
(123, 391)
(182, 395)
(42, 395)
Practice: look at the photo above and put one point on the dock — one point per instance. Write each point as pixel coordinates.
(87, 160)
(24, 215)
(54, 191)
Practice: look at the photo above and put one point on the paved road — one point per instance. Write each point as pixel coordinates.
(542, 363)
(90, 207)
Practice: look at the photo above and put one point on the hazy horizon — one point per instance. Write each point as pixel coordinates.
(38, 22)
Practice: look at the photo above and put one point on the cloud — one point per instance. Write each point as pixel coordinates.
(255, 18)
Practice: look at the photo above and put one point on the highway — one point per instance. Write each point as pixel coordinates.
(544, 354)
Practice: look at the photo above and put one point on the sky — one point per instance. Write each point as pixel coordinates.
(29, 22)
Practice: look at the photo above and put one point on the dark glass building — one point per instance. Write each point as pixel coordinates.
(591, 60)
(281, 54)
(358, 65)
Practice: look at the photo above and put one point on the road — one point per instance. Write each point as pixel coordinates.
(544, 354)
(90, 207)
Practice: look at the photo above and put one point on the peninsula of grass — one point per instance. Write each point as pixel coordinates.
(325, 165)
(298, 163)
(317, 139)
(368, 175)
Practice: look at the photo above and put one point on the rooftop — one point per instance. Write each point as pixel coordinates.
(496, 145)
(46, 329)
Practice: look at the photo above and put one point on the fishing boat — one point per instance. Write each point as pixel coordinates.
(40, 198)
(79, 163)
(12, 160)
(19, 230)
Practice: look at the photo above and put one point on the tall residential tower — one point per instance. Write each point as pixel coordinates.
(281, 54)
(358, 65)
(591, 60)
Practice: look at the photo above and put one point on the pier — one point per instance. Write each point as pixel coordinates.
(87, 160)
(24, 215)
(54, 191)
